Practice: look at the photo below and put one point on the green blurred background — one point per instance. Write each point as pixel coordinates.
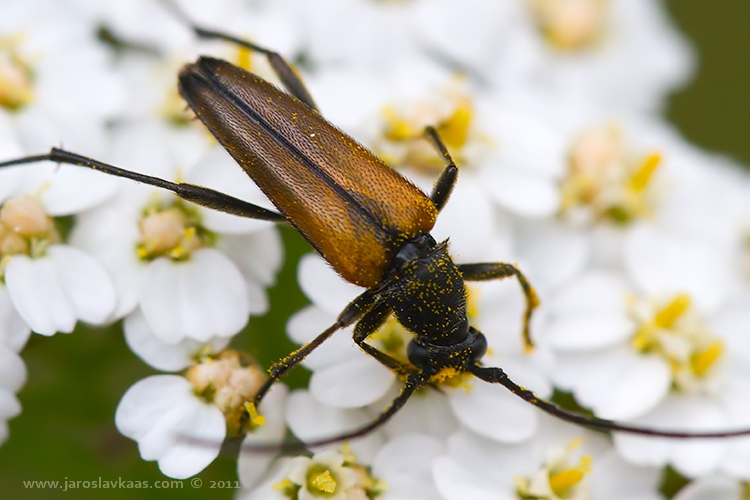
(75, 381)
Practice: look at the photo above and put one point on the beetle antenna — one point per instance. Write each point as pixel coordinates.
(197, 194)
(498, 376)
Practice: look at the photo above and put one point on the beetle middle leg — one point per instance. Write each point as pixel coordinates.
(447, 180)
(353, 311)
(499, 270)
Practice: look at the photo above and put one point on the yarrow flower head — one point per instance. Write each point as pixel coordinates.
(605, 181)
(181, 421)
(328, 474)
(559, 463)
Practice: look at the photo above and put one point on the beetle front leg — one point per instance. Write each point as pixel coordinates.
(499, 270)
(366, 326)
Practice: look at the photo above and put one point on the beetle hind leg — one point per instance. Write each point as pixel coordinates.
(284, 70)
(500, 270)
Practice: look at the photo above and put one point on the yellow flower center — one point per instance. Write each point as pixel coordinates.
(562, 482)
(171, 230)
(570, 25)
(557, 479)
(321, 482)
(25, 228)
(402, 144)
(230, 382)
(605, 182)
(16, 76)
(677, 333)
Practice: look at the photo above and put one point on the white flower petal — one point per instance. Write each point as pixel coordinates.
(711, 488)
(351, 384)
(252, 466)
(664, 265)
(38, 295)
(524, 194)
(259, 255)
(456, 482)
(111, 235)
(593, 331)
(323, 286)
(625, 384)
(85, 282)
(692, 457)
(12, 370)
(203, 297)
(202, 422)
(14, 332)
(492, 411)
(554, 254)
(9, 407)
(160, 355)
(307, 323)
(160, 413)
(310, 421)
(404, 463)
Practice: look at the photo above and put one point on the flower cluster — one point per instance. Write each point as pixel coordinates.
(635, 241)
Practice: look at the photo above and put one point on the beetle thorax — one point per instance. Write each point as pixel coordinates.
(427, 293)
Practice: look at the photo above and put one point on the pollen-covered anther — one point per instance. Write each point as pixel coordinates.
(558, 479)
(606, 181)
(162, 231)
(329, 474)
(226, 382)
(173, 231)
(570, 25)
(675, 331)
(401, 142)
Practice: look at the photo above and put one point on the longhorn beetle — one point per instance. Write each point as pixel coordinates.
(369, 222)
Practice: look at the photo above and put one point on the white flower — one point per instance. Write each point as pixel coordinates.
(622, 53)
(47, 100)
(311, 421)
(12, 378)
(400, 470)
(666, 347)
(51, 285)
(182, 421)
(193, 272)
(560, 462)
(161, 413)
(161, 355)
